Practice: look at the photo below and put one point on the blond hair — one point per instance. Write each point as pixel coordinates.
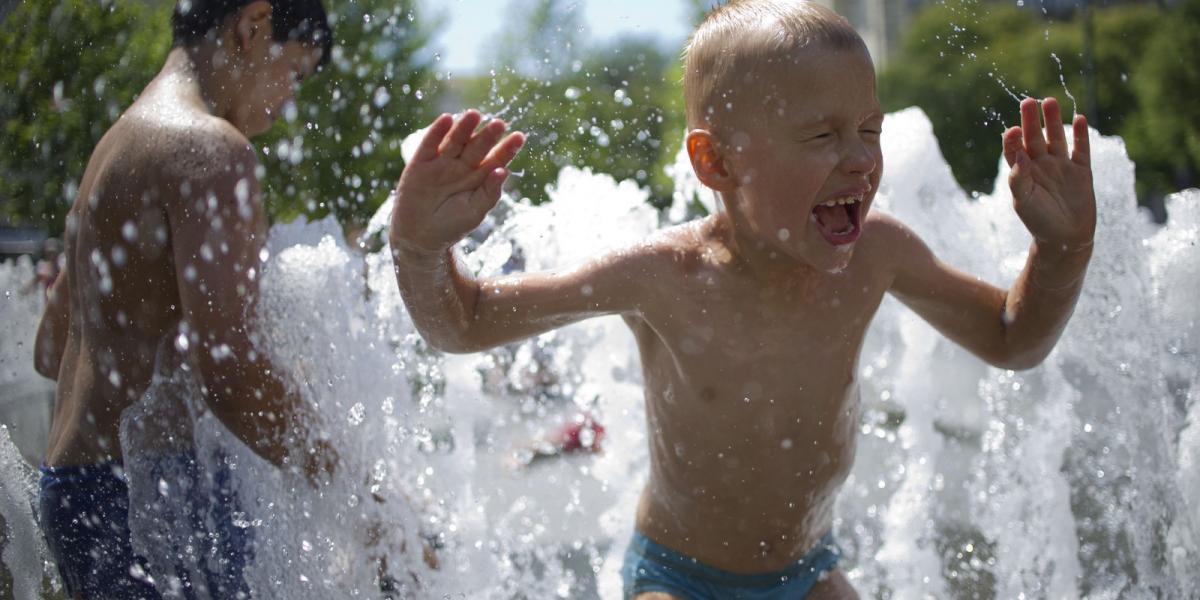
(735, 41)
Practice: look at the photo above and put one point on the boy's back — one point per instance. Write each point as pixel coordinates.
(122, 268)
(162, 258)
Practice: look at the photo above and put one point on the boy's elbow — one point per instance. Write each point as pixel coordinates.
(45, 367)
(1020, 359)
(45, 360)
(458, 344)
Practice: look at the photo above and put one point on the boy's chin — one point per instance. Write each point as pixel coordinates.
(827, 258)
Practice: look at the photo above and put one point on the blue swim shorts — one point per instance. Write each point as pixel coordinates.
(650, 567)
(84, 513)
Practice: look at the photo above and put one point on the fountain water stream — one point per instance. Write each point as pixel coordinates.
(1077, 479)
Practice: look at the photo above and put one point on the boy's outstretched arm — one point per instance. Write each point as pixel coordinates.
(1053, 196)
(446, 190)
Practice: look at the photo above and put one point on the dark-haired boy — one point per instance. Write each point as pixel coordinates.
(162, 255)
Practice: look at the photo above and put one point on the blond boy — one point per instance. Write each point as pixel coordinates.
(749, 322)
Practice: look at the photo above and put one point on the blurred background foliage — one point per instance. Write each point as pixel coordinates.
(615, 108)
(966, 63)
(68, 68)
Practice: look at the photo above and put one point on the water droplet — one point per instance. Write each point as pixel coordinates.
(357, 413)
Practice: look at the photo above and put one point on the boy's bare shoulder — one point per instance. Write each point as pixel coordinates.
(889, 243)
(886, 233)
(182, 144)
(679, 249)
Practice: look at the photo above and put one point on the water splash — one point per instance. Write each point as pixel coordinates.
(1077, 479)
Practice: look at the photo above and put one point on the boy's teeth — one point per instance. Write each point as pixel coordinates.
(837, 201)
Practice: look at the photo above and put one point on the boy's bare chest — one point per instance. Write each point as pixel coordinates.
(731, 327)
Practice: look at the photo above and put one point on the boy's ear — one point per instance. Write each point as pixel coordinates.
(253, 23)
(707, 161)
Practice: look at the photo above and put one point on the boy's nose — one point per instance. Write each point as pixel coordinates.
(859, 159)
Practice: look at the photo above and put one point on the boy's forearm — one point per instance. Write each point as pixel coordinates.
(440, 298)
(250, 399)
(1041, 301)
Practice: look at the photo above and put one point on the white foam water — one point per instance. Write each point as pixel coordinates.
(1077, 479)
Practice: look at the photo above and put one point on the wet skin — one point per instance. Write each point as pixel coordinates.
(750, 339)
(166, 229)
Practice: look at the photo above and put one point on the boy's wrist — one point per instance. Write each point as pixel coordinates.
(1064, 250)
(1058, 266)
(408, 251)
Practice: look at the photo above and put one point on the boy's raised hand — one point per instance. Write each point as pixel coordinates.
(1052, 190)
(453, 180)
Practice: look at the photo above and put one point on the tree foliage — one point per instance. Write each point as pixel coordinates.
(615, 108)
(967, 65)
(1164, 136)
(67, 70)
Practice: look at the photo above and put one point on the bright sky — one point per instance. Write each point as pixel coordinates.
(472, 25)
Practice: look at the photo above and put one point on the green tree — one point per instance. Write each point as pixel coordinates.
(615, 108)
(67, 70)
(339, 152)
(1164, 138)
(544, 42)
(966, 65)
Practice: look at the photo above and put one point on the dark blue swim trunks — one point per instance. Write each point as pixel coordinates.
(85, 517)
(650, 567)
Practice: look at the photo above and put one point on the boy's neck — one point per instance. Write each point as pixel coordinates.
(200, 75)
(758, 260)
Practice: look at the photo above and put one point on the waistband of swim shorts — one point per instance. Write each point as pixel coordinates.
(111, 469)
(811, 562)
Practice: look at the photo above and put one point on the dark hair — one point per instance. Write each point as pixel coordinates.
(301, 21)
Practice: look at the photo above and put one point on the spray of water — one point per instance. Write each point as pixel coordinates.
(1077, 479)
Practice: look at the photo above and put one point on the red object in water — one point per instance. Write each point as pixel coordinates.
(582, 434)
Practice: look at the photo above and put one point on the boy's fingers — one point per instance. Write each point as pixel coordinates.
(482, 142)
(504, 152)
(428, 150)
(1031, 127)
(1082, 152)
(1056, 137)
(1012, 144)
(457, 139)
(494, 184)
(1018, 179)
(485, 197)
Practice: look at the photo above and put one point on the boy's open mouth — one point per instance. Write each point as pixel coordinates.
(840, 219)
